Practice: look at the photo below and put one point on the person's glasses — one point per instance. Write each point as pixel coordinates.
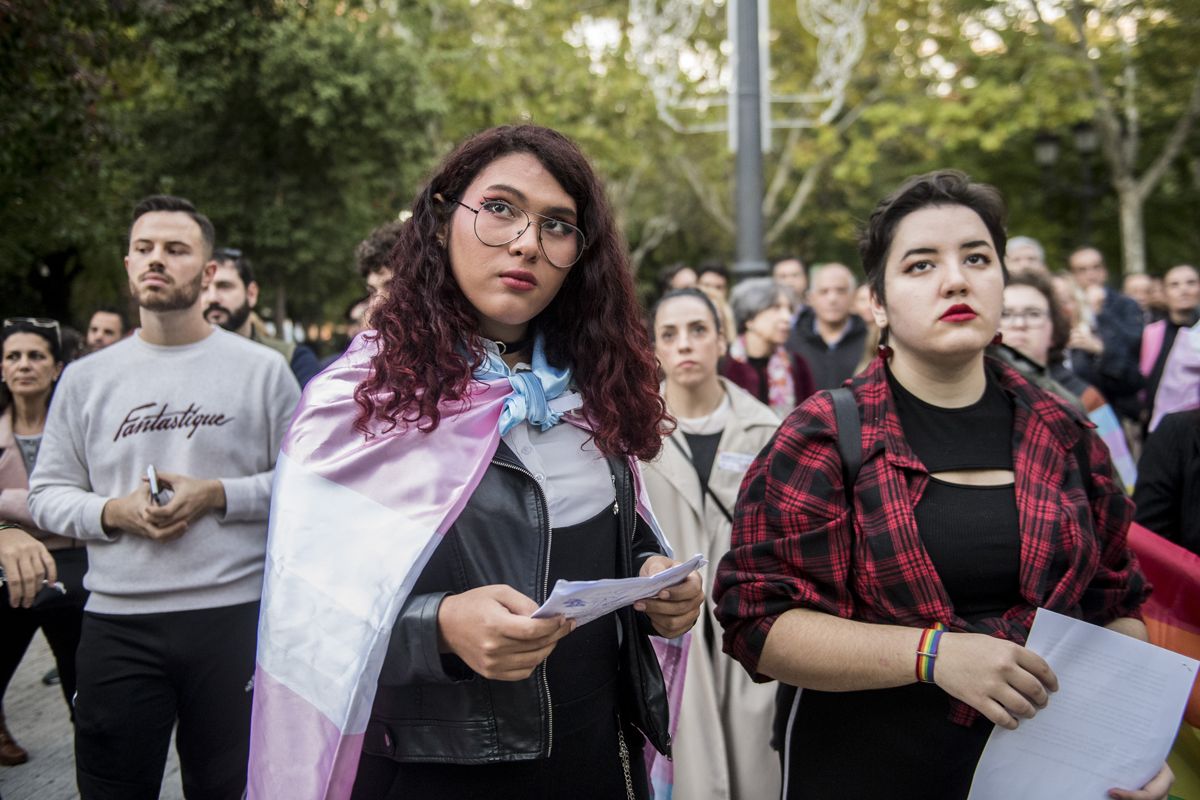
(35, 322)
(227, 254)
(1030, 317)
(498, 223)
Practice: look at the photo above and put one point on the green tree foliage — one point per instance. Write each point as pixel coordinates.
(298, 129)
(56, 149)
(300, 125)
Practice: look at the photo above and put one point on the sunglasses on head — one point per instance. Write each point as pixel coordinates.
(35, 322)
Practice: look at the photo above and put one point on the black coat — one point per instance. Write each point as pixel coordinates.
(1167, 494)
(830, 366)
(432, 707)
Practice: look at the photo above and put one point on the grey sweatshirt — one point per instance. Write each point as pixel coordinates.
(217, 408)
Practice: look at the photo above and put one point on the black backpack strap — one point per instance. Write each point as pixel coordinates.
(849, 430)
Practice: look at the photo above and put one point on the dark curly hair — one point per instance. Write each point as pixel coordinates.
(373, 253)
(592, 325)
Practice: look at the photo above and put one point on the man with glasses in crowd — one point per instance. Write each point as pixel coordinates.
(176, 556)
(229, 301)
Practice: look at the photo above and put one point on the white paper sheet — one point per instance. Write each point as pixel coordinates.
(1109, 725)
(588, 600)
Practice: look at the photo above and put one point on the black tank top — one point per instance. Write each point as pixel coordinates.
(586, 659)
(971, 533)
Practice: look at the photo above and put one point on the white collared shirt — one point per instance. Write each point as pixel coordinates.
(572, 473)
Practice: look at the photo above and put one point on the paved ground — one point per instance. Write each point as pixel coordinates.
(37, 718)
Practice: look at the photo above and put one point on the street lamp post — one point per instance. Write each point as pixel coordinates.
(748, 193)
(1047, 148)
(1086, 143)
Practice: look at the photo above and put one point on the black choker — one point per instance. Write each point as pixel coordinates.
(512, 347)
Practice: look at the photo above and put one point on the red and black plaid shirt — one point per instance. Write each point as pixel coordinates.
(795, 544)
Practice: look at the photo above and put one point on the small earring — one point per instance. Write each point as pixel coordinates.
(885, 351)
(998, 338)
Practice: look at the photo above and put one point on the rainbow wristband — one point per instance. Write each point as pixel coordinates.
(927, 651)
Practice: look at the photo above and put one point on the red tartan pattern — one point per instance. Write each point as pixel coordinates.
(793, 546)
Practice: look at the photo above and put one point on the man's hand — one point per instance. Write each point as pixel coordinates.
(193, 498)
(127, 515)
(490, 629)
(674, 610)
(27, 566)
(1083, 338)
(136, 512)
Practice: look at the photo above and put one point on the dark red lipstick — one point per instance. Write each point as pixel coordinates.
(959, 313)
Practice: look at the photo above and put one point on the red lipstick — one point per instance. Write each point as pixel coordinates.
(520, 279)
(959, 313)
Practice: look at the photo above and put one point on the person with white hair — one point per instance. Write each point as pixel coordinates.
(758, 361)
(1026, 254)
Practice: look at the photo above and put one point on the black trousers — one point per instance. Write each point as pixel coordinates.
(59, 618)
(584, 764)
(139, 674)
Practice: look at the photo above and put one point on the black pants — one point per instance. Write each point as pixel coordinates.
(584, 763)
(138, 675)
(58, 617)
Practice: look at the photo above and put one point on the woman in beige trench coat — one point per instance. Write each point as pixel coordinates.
(722, 748)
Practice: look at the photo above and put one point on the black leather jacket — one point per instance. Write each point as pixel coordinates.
(432, 707)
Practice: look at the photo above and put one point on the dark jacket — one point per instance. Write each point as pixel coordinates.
(433, 707)
(1115, 372)
(1167, 494)
(746, 376)
(830, 366)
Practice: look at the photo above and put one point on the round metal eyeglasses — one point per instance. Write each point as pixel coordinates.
(1030, 317)
(498, 223)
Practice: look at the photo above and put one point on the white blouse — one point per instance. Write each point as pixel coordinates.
(572, 473)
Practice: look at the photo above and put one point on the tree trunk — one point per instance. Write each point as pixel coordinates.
(280, 309)
(1133, 229)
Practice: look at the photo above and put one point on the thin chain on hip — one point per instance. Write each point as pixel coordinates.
(625, 764)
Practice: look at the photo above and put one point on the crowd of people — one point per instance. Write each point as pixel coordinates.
(322, 575)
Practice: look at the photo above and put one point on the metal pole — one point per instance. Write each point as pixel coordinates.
(749, 192)
(1087, 192)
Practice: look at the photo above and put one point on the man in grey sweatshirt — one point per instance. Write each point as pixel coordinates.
(170, 628)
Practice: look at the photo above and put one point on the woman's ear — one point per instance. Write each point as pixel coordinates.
(878, 311)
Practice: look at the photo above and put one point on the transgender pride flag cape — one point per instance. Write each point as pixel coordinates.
(353, 522)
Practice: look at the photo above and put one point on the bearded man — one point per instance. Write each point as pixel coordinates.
(175, 561)
(229, 301)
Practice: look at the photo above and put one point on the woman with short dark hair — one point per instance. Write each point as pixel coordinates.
(900, 602)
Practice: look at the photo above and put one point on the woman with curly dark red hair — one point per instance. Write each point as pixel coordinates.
(511, 310)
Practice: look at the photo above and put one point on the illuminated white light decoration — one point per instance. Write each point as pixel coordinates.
(692, 80)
